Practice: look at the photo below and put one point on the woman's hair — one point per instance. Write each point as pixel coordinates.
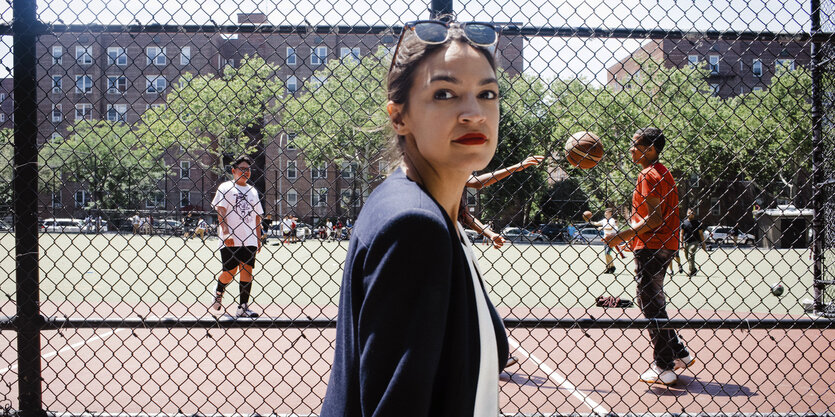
(400, 78)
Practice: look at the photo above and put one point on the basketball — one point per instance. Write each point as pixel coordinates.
(586, 215)
(583, 150)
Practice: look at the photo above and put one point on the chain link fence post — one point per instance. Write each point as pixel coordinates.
(25, 191)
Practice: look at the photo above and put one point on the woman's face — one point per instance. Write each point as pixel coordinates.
(453, 110)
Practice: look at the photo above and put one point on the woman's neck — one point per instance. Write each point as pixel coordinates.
(446, 188)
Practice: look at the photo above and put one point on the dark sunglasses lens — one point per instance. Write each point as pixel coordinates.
(480, 34)
(431, 32)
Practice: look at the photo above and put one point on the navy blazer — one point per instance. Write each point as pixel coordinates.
(407, 339)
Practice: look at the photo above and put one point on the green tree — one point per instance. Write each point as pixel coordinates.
(339, 117)
(226, 115)
(524, 130)
(110, 159)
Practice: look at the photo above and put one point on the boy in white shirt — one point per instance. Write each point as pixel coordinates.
(610, 228)
(239, 216)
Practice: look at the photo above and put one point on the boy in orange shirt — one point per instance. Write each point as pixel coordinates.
(654, 232)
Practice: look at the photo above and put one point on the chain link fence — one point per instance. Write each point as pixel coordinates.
(119, 121)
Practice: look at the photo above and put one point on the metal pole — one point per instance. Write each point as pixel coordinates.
(818, 173)
(440, 8)
(25, 184)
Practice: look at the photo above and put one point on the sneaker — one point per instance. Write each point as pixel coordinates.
(684, 363)
(511, 361)
(656, 375)
(244, 311)
(680, 270)
(216, 309)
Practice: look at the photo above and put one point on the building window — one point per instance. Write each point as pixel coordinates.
(155, 54)
(320, 171)
(56, 137)
(693, 60)
(292, 197)
(319, 197)
(116, 55)
(83, 84)
(788, 63)
(185, 198)
(57, 113)
(316, 82)
(2, 117)
(57, 55)
(741, 90)
(117, 112)
(318, 55)
(84, 111)
(291, 141)
(757, 68)
(185, 169)
(757, 89)
(56, 200)
(714, 64)
(345, 198)
(154, 84)
(346, 170)
(56, 84)
(291, 170)
(80, 198)
(185, 55)
(84, 54)
(227, 63)
(157, 199)
(117, 84)
(291, 56)
(353, 53)
(472, 197)
(714, 89)
(715, 207)
(292, 84)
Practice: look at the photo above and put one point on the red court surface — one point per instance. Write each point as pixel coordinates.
(285, 371)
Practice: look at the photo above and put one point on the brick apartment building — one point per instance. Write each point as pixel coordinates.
(118, 76)
(736, 67)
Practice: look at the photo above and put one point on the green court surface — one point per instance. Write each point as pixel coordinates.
(117, 268)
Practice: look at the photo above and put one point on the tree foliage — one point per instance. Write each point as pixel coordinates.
(114, 164)
(229, 114)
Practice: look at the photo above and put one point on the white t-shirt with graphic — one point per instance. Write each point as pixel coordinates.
(242, 206)
(610, 226)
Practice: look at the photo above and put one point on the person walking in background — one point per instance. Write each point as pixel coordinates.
(409, 257)
(201, 229)
(609, 225)
(267, 223)
(654, 232)
(692, 234)
(239, 216)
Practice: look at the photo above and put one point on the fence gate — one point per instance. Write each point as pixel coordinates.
(119, 121)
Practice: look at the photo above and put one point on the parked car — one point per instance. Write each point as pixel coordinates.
(554, 232)
(720, 235)
(62, 225)
(6, 227)
(520, 235)
(471, 234)
(168, 226)
(589, 235)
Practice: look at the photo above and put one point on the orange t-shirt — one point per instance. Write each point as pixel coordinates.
(656, 181)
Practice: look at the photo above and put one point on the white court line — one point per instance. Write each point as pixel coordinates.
(70, 347)
(559, 379)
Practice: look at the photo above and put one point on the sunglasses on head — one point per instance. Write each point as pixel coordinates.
(434, 32)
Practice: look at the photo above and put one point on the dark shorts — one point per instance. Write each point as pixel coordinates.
(234, 256)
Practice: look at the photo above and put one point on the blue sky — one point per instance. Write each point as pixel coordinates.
(549, 57)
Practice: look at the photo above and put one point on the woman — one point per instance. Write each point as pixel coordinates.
(416, 333)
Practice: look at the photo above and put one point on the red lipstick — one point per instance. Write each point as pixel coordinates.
(471, 139)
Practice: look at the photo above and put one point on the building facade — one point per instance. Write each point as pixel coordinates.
(119, 76)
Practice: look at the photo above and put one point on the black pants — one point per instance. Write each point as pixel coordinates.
(650, 269)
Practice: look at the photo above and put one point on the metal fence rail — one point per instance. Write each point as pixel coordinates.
(117, 132)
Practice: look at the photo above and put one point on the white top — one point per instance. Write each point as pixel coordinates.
(610, 226)
(134, 219)
(242, 206)
(487, 388)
